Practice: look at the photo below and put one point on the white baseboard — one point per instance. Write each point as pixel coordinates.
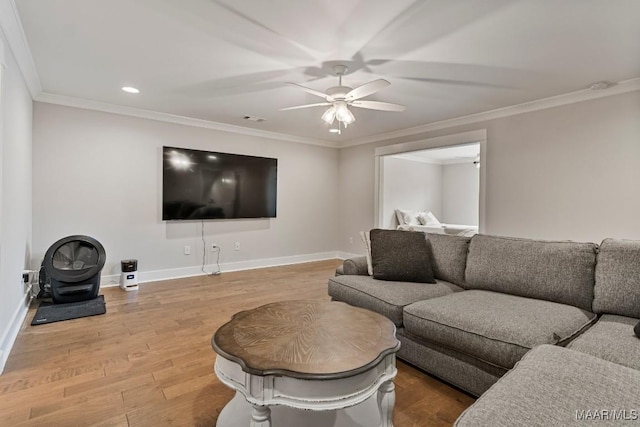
(177, 273)
(347, 255)
(11, 332)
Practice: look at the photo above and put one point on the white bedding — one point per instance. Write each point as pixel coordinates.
(453, 229)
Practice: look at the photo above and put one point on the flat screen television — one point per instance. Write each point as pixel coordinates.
(209, 185)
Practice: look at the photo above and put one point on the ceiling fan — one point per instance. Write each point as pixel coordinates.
(340, 98)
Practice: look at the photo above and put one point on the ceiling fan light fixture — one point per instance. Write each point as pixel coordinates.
(339, 98)
(336, 128)
(329, 115)
(343, 114)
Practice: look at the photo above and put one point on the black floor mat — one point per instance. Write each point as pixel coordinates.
(49, 313)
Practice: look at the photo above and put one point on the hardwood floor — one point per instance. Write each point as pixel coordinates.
(149, 362)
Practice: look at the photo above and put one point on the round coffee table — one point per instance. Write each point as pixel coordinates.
(307, 363)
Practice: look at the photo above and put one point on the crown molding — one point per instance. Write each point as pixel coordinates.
(14, 34)
(413, 158)
(87, 104)
(464, 138)
(527, 107)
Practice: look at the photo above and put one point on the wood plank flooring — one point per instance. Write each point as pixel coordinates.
(149, 362)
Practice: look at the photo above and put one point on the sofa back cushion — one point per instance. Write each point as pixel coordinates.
(617, 288)
(449, 257)
(562, 272)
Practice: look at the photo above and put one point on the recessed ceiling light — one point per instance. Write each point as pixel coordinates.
(130, 89)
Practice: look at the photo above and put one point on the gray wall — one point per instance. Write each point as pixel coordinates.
(460, 193)
(410, 185)
(568, 172)
(15, 198)
(100, 174)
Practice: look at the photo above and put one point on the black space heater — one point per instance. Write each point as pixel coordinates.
(73, 265)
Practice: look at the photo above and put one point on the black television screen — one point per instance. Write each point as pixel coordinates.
(208, 185)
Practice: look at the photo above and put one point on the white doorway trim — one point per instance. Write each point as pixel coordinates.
(471, 137)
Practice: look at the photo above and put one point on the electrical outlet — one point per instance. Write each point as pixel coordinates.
(351, 240)
(187, 250)
(237, 246)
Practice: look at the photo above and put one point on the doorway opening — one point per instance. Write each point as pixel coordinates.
(434, 185)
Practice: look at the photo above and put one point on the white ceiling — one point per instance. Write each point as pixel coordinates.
(219, 60)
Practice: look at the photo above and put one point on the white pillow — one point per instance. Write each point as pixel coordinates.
(428, 218)
(407, 217)
(364, 235)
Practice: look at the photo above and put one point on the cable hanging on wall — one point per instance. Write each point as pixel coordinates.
(204, 255)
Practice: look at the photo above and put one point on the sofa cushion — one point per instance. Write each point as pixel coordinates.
(617, 288)
(449, 257)
(385, 297)
(553, 271)
(554, 386)
(611, 338)
(494, 327)
(401, 256)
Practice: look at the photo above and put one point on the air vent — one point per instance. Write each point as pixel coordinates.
(254, 118)
(601, 85)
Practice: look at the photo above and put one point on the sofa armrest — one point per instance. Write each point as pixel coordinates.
(355, 266)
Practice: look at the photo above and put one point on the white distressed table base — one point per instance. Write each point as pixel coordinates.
(260, 416)
(237, 413)
(363, 400)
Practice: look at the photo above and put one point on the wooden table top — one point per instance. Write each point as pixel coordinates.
(306, 339)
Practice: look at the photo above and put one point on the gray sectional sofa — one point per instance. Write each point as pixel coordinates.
(497, 298)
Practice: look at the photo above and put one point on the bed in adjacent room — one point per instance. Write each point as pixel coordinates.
(427, 222)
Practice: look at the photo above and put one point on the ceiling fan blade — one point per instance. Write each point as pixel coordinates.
(297, 107)
(376, 105)
(312, 91)
(366, 89)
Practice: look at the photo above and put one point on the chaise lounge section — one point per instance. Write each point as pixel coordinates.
(555, 386)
